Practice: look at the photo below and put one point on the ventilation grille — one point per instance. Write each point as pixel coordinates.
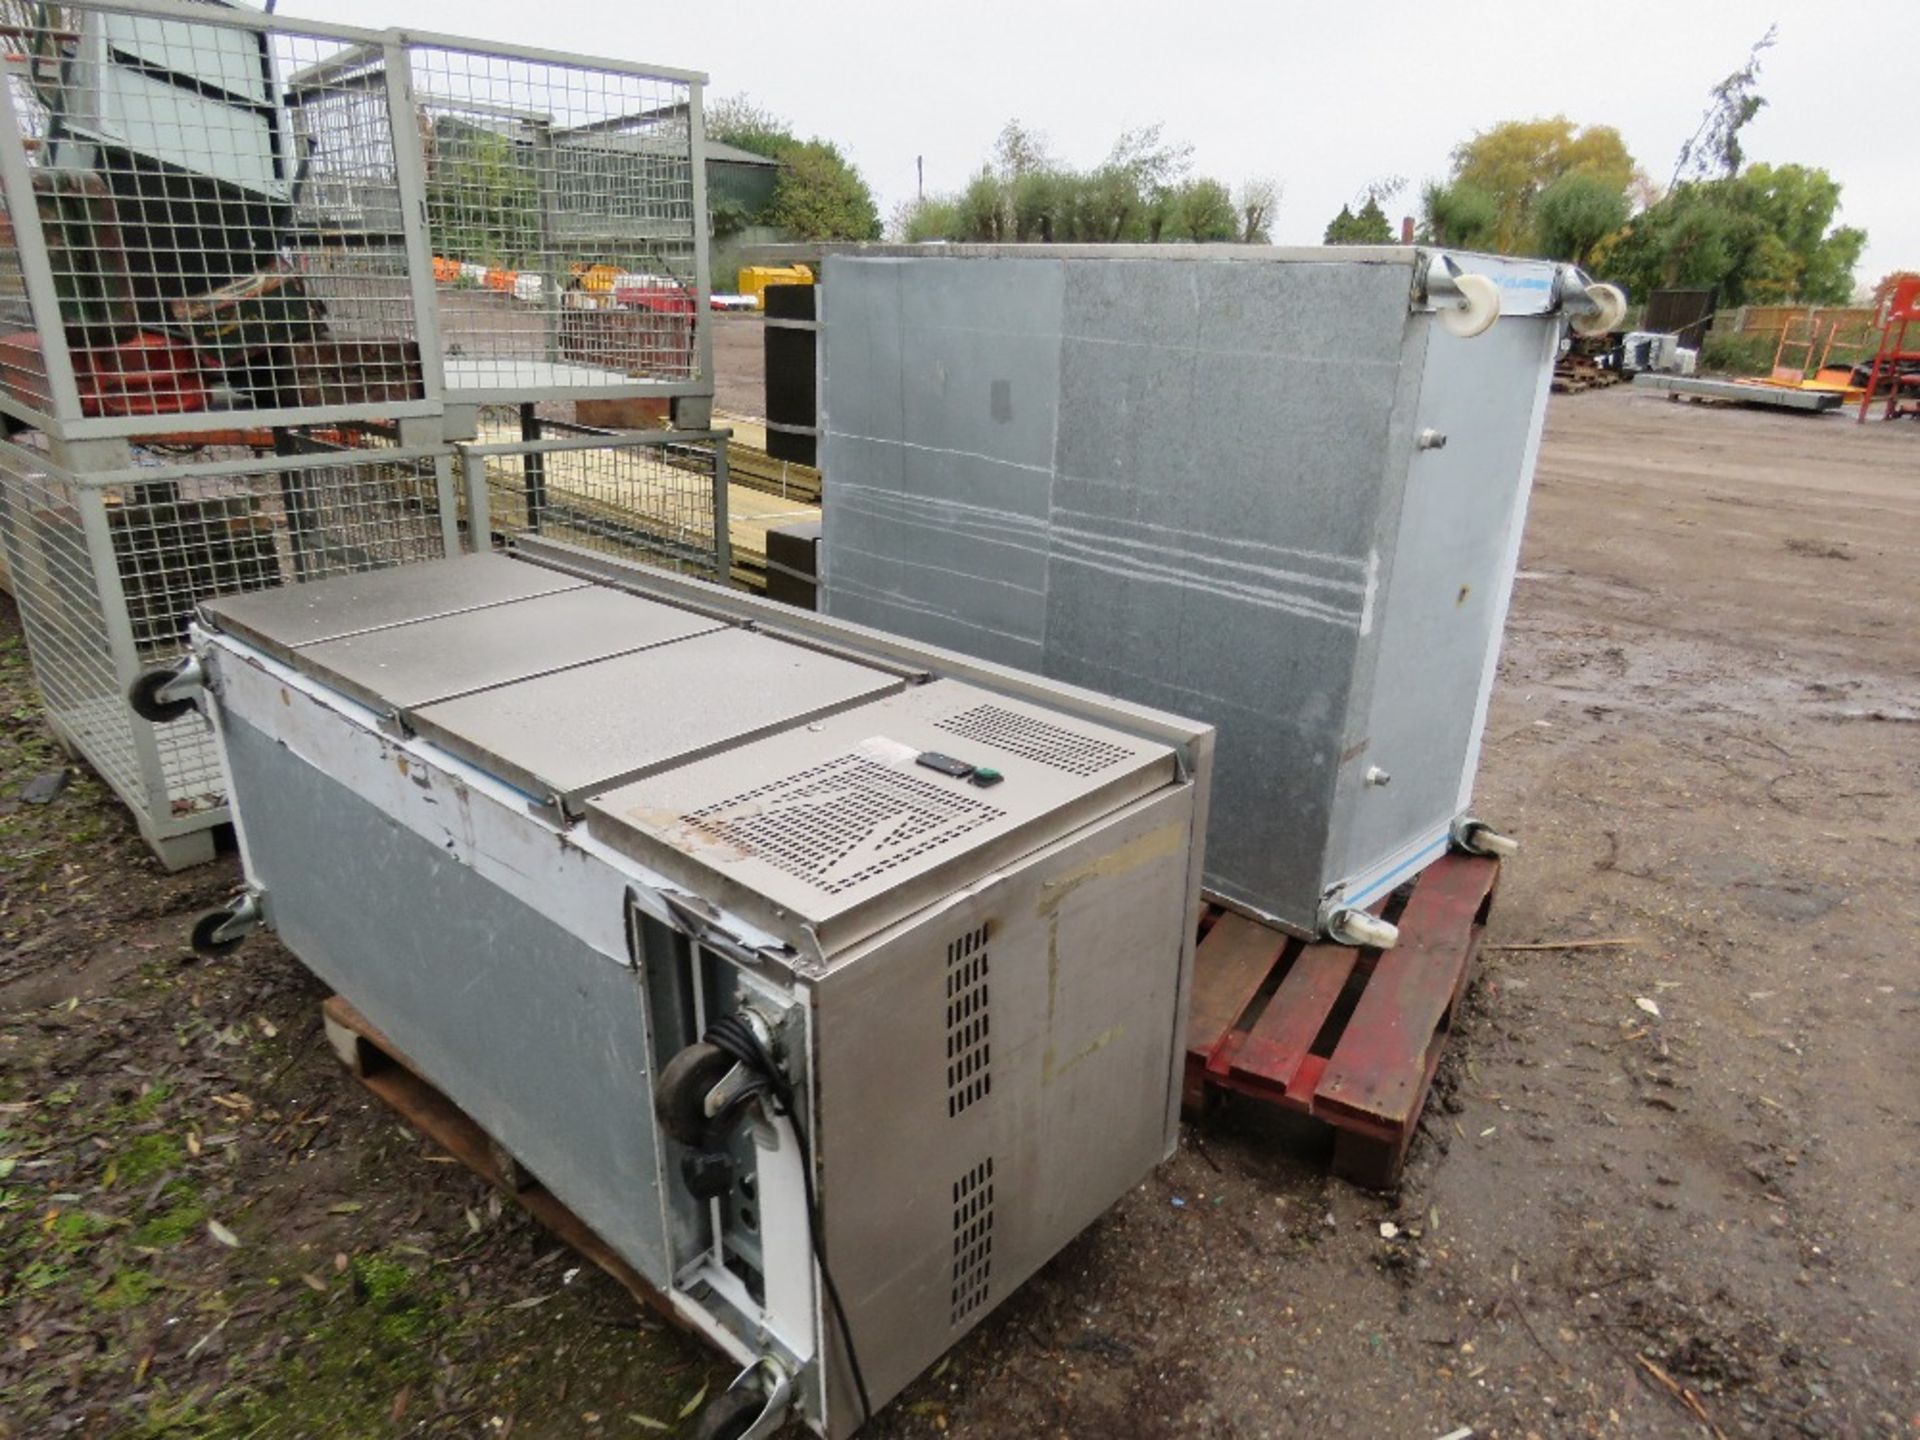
(969, 1075)
(1051, 745)
(972, 1239)
(841, 822)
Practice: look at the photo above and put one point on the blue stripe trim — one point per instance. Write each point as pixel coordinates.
(1392, 878)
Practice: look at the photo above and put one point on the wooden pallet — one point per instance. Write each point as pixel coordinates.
(377, 1063)
(1577, 373)
(1349, 1037)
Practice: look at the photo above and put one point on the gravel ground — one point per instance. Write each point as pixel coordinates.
(1698, 1221)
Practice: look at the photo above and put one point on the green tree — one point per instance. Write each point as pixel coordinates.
(819, 195)
(1366, 227)
(934, 217)
(1460, 215)
(1259, 199)
(1766, 235)
(1803, 255)
(737, 120)
(1142, 190)
(1574, 214)
(1516, 160)
(1201, 209)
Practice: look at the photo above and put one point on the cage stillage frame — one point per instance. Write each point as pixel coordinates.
(409, 222)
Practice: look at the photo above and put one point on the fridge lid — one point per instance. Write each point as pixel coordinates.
(279, 621)
(401, 668)
(572, 733)
(847, 824)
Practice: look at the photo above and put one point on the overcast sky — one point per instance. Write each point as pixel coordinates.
(1322, 98)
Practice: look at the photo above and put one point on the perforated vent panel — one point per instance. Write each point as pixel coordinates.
(972, 1239)
(969, 1067)
(1051, 745)
(843, 821)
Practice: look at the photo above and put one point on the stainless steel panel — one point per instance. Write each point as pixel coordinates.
(400, 667)
(1213, 527)
(1066, 967)
(551, 1058)
(1415, 716)
(579, 731)
(278, 621)
(835, 830)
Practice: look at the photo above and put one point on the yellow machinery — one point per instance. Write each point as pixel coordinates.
(754, 280)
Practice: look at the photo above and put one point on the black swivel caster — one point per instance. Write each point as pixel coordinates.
(219, 932)
(728, 1416)
(144, 696)
(758, 1403)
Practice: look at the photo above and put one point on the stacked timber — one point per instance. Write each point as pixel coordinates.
(751, 466)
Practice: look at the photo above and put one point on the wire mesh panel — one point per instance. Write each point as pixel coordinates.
(236, 212)
(107, 571)
(561, 204)
(659, 499)
(43, 526)
(213, 239)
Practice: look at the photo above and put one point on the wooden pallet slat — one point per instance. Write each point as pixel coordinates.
(1230, 965)
(1379, 1067)
(1275, 1053)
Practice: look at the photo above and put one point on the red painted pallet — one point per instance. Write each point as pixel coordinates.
(1350, 1037)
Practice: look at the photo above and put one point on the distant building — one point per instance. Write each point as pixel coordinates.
(739, 187)
(739, 177)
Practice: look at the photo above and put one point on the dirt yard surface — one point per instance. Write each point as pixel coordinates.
(1668, 1186)
(739, 364)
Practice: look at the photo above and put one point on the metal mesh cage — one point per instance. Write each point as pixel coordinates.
(561, 207)
(211, 240)
(107, 570)
(238, 212)
(659, 498)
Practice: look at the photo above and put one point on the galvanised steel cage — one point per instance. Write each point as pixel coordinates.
(226, 211)
(108, 565)
(258, 278)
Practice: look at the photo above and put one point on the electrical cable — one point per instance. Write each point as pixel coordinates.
(734, 1036)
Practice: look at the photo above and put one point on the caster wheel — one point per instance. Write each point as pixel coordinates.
(679, 1097)
(1613, 309)
(728, 1416)
(1481, 839)
(1480, 311)
(144, 697)
(202, 939)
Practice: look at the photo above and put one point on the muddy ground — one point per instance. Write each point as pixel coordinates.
(1708, 734)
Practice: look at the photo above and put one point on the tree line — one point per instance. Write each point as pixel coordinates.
(1145, 190)
(1756, 233)
(1753, 232)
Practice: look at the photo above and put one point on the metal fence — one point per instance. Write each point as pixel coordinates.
(658, 497)
(108, 567)
(210, 209)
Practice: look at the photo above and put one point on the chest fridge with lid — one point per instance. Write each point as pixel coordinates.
(547, 825)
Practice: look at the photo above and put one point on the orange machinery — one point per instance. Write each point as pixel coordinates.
(1894, 379)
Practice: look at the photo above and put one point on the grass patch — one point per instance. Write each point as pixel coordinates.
(357, 1350)
(124, 1290)
(76, 1230)
(179, 1222)
(148, 1157)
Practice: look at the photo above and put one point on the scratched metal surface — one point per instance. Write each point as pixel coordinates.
(1178, 481)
